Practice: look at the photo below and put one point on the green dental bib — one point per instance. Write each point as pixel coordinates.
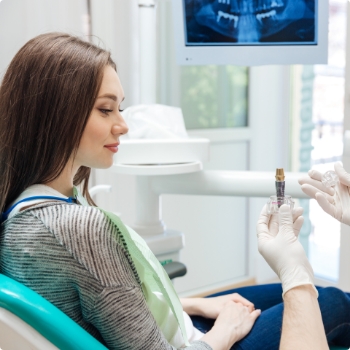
(158, 290)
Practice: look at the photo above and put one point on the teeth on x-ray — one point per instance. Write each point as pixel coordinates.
(245, 21)
(265, 15)
(278, 3)
(228, 16)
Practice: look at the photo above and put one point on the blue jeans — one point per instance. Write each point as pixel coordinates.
(266, 332)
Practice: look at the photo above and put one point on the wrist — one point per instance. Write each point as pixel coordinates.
(220, 338)
(299, 276)
(192, 306)
(307, 290)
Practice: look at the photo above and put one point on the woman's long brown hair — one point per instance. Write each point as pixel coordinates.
(46, 97)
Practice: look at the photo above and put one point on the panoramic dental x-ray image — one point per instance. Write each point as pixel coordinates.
(250, 22)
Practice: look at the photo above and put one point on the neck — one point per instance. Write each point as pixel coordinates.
(64, 182)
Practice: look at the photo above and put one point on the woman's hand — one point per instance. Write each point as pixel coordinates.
(233, 323)
(211, 307)
(333, 200)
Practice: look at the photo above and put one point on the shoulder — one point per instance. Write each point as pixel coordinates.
(91, 238)
(76, 223)
(65, 219)
(49, 212)
(58, 216)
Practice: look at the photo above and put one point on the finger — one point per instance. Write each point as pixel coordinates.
(251, 308)
(229, 303)
(325, 204)
(255, 314)
(298, 223)
(264, 216)
(298, 211)
(311, 192)
(315, 174)
(262, 224)
(285, 219)
(316, 184)
(238, 298)
(344, 177)
(273, 225)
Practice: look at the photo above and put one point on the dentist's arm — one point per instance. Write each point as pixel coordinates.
(302, 322)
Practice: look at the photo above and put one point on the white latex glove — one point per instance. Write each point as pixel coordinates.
(283, 252)
(298, 221)
(333, 200)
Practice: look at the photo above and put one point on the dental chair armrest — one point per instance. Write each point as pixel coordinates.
(175, 269)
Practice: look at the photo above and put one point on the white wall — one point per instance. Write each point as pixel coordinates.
(115, 24)
(21, 20)
(115, 28)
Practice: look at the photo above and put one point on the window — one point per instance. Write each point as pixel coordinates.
(214, 96)
(328, 112)
(210, 96)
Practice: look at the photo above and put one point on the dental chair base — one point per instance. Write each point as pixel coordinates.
(16, 334)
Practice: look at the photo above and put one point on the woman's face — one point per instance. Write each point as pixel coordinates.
(100, 138)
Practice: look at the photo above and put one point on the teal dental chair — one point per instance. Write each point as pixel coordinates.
(28, 321)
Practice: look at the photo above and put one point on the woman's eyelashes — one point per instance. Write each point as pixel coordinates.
(106, 111)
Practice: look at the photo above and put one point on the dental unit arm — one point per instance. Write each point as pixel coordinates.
(151, 160)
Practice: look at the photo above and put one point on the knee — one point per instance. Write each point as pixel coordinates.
(336, 297)
(332, 292)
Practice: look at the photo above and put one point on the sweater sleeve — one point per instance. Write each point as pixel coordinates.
(116, 307)
(134, 327)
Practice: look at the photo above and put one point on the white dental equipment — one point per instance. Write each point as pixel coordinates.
(174, 166)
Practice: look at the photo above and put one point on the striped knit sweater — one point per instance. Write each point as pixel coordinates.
(73, 256)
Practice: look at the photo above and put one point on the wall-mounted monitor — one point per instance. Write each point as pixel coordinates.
(251, 32)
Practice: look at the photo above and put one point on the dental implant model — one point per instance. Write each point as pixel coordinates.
(280, 183)
(330, 178)
(280, 198)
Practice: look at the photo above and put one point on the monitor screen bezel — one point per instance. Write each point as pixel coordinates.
(254, 54)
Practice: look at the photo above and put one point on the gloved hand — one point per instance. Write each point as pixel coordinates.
(283, 252)
(297, 222)
(333, 200)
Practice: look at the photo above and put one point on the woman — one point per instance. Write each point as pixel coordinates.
(60, 103)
